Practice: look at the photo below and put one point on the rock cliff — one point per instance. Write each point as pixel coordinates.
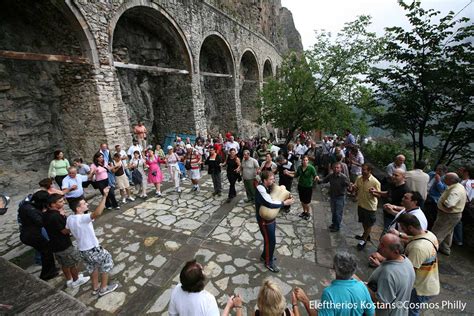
(267, 17)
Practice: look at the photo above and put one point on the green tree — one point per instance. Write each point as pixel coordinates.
(426, 85)
(320, 89)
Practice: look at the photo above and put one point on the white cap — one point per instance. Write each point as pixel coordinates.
(169, 147)
(188, 146)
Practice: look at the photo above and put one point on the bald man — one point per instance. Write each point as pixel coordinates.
(398, 163)
(393, 280)
(394, 194)
(450, 207)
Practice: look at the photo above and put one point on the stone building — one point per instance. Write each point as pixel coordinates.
(75, 73)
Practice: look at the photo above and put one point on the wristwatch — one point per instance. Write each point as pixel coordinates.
(400, 234)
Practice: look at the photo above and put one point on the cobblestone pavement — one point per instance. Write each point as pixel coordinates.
(151, 239)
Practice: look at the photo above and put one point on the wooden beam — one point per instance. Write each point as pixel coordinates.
(213, 74)
(151, 68)
(8, 54)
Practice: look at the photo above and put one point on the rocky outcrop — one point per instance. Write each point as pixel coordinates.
(267, 17)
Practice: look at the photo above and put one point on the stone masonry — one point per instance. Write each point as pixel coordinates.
(74, 74)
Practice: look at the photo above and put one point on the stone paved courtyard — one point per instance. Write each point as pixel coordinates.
(151, 239)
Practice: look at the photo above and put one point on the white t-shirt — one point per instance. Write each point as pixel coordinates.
(81, 228)
(469, 186)
(418, 213)
(183, 303)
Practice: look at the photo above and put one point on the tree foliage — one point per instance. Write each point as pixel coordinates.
(427, 87)
(320, 89)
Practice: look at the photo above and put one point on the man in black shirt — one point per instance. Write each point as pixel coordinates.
(54, 220)
(395, 192)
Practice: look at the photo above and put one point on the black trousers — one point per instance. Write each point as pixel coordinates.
(110, 201)
(232, 177)
(35, 240)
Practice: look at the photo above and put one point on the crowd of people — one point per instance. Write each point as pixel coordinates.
(421, 212)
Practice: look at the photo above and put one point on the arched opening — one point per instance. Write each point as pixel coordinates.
(267, 70)
(217, 84)
(154, 72)
(249, 86)
(47, 96)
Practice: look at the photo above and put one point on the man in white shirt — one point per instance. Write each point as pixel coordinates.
(398, 163)
(96, 258)
(300, 150)
(231, 143)
(189, 297)
(417, 180)
(72, 186)
(133, 148)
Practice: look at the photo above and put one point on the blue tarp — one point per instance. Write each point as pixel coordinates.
(171, 137)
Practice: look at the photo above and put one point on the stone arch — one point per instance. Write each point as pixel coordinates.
(217, 70)
(267, 69)
(139, 3)
(49, 84)
(249, 85)
(154, 67)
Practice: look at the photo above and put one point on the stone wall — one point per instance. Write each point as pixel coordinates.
(46, 105)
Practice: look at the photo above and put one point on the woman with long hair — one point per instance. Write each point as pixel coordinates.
(100, 171)
(58, 168)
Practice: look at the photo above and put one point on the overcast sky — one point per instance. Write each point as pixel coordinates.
(310, 15)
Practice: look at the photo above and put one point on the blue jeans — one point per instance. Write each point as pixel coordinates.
(457, 233)
(268, 232)
(387, 220)
(337, 209)
(415, 298)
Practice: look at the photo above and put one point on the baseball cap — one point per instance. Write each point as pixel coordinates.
(188, 146)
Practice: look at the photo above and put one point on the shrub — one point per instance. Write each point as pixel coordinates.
(383, 151)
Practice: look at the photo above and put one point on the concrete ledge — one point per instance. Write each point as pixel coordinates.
(31, 296)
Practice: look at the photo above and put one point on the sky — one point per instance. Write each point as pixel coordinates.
(310, 15)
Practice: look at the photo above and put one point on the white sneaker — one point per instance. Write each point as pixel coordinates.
(124, 200)
(178, 189)
(80, 281)
(131, 198)
(69, 283)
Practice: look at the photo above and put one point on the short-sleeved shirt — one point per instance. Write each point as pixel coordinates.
(249, 168)
(453, 199)
(350, 291)
(394, 282)
(68, 182)
(81, 228)
(100, 172)
(54, 222)
(364, 198)
(192, 304)
(396, 193)
(306, 177)
(422, 254)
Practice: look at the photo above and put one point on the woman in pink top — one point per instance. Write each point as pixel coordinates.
(154, 172)
(99, 170)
